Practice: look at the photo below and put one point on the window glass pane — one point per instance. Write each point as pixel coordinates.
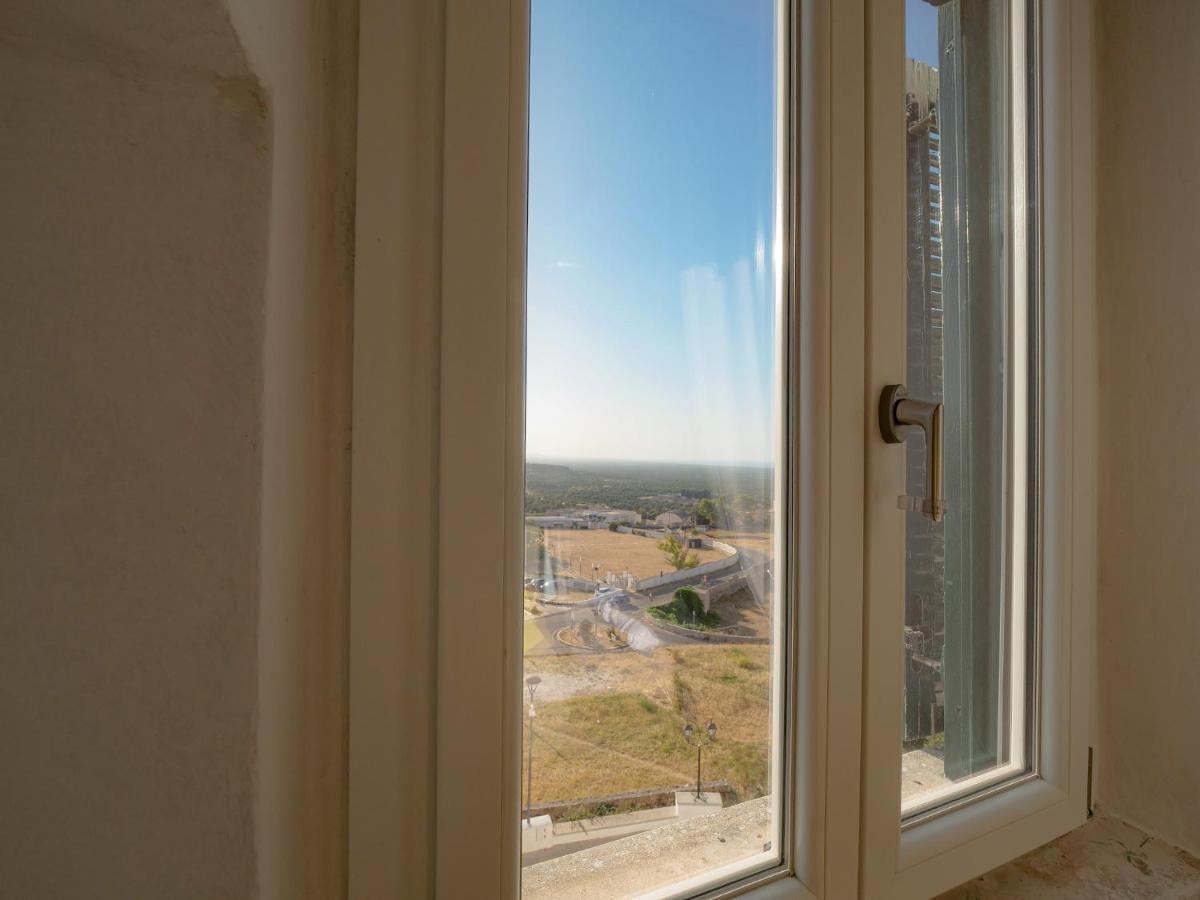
(651, 724)
(968, 340)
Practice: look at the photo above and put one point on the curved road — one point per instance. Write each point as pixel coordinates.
(621, 607)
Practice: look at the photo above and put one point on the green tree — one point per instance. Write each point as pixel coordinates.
(677, 554)
(706, 511)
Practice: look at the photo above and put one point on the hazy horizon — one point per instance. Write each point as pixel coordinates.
(696, 464)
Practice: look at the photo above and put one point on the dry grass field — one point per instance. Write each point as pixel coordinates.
(755, 540)
(613, 552)
(611, 724)
(741, 614)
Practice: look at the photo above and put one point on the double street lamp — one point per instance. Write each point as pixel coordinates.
(531, 683)
(700, 738)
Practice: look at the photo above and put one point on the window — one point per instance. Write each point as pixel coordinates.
(971, 228)
(971, 657)
(653, 598)
(678, 253)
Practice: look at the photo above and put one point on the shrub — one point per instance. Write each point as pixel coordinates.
(687, 610)
(687, 599)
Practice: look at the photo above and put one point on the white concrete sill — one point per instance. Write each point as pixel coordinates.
(1104, 859)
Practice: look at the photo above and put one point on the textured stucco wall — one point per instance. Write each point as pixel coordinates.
(134, 167)
(175, 252)
(1148, 297)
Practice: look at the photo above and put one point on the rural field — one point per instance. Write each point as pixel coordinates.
(754, 540)
(610, 724)
(613, 552)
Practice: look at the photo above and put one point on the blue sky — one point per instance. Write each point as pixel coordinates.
(920, 32)
(651, 287)
(651, 266)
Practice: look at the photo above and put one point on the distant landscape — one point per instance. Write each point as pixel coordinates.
(623, 664)
(646, 488)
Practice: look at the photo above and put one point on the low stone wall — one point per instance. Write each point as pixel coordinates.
(564, 578)
(570, 584)
(539, 841)
(578, 584)
(711, 637)
(684, 576)
(711, 594)
(627, 801)
(564, 637)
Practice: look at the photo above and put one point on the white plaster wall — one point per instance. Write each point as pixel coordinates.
(1148, 213)
(305, 53)
(175, 258)
(134, 175)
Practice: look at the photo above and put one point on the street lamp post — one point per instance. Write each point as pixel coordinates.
(531, 682)
(700, 739)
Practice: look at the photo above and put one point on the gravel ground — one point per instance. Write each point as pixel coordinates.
(634, 865)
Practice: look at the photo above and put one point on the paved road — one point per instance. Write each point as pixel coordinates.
(621, 609)
(754, 568)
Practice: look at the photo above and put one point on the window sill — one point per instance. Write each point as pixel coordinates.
(636, 865)
(1104, 859)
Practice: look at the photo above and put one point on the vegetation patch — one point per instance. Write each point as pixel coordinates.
(577, 813)
(687, 611)
(742, 661)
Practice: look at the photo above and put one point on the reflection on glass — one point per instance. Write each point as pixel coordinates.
(653, 396)
(967, 337)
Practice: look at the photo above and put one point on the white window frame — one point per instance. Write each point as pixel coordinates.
(1017, 815)
(434, 736)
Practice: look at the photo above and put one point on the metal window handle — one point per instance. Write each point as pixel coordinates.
(898, 414)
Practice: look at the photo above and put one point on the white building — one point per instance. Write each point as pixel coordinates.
(602, 518)
(557, 521)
